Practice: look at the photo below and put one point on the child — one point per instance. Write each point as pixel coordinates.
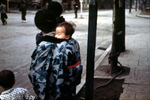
(56, 68)
(64, 31)
(7, 80)
(3, 13)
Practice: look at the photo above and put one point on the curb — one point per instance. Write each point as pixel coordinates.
(142, 16)
(97, 63)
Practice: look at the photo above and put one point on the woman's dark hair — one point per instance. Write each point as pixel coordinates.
(68, 27)
(23, 2)
(55, 7)
(2, 1)
(45, 20)
(7, 78)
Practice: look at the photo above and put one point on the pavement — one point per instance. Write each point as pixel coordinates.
(136, 64)
(137, 58)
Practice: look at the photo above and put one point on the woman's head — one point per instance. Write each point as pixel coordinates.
(56, 8)
(45, 20)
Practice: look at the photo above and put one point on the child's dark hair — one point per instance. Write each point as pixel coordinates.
(7, 78)
(45, 20)
(68, 27)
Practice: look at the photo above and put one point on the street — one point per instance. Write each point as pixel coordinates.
(17, 39)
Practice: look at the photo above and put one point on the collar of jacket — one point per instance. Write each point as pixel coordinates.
(52, 39)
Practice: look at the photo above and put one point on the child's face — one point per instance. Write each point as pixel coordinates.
(61, 33)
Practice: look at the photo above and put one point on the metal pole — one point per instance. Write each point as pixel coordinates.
(91, 49)
(81, 8)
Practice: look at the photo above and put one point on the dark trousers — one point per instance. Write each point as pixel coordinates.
(23, 15)
(76, 13)
(3, 17)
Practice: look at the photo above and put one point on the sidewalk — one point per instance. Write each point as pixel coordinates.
(137, 58)
(136, 63)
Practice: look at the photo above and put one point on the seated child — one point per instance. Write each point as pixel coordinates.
(7, 80)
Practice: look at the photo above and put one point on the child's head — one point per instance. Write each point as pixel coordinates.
(7, 79)
(64, 31)
(45, 20)
(55, 7)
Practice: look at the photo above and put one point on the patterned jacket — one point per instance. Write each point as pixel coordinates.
(16, 94)
(56, 68)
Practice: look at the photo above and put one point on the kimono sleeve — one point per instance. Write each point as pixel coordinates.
(74, 67)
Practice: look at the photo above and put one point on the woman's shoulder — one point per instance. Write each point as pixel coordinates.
(72, 43)
(72, 40)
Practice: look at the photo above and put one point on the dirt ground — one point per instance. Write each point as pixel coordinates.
(111, 91)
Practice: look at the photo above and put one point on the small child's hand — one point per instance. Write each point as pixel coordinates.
(37, 98)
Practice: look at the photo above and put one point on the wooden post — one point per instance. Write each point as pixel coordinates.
(139, 5)
(136, 6)
(118, 39)
(7, 5)
(130, 6)
(91, 49)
